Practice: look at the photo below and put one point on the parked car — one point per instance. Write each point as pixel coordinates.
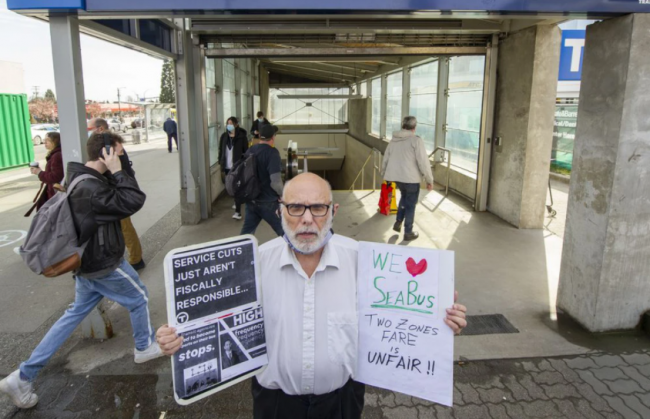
(116, 125)
(40, 130)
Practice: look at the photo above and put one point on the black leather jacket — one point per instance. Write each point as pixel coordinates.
(97, 207)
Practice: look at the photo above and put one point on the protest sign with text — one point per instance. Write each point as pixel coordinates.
(404, 344)
(214, 302)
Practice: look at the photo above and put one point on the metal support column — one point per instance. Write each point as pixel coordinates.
(238, 89)
(189, 171)
(441, 105)
(384, 107)
(69, 83)
(406, 91)
(202, 150)
(487, 125)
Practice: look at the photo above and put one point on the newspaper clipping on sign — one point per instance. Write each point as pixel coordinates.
(214, 302)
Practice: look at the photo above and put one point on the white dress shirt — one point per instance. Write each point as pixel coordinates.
(311, 323)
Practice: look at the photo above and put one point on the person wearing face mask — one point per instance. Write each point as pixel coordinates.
(257, 124)
(232, 146)
(307, 275)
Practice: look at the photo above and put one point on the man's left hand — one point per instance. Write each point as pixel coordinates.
(456, 316)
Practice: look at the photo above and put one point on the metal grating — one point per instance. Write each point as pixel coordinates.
(488, 324)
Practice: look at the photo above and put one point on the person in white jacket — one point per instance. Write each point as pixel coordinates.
(406, 162)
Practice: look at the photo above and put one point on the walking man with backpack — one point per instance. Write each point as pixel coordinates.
(97, 203)
(265, 205)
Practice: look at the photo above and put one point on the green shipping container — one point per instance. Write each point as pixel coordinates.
(16, 147)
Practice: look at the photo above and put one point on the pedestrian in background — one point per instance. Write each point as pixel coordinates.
(232, 146)
(97, 206)
(269, 175)
(406, 162)
(171, 129)
(131, 238)
(52, 174)
(257, 124)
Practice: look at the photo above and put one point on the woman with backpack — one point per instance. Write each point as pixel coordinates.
(53, 173)
(232, 146)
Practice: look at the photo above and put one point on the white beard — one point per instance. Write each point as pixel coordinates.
(312, 245)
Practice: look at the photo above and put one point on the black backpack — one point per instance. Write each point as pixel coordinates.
(242, 181)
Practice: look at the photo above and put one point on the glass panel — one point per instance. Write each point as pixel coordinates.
(464, 110)
(375, 127)
(424, 88)
(363, 91)
(212, 106)
(213, 139)
(564, 134)
(210, 75)
(229, 96)
(393, 104)
(308, 111)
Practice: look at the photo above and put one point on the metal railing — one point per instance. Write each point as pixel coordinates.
(375, 154)
(448, 164)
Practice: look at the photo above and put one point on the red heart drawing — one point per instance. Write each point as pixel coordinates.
(416, 269)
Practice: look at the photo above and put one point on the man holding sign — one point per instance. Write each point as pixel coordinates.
(309, 280)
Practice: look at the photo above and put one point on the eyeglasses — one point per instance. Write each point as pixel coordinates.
(298, 210)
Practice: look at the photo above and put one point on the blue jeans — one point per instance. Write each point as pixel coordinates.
(258, 211)
(123, 286)
(406, 210)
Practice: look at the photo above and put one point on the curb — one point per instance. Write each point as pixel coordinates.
(560, 178)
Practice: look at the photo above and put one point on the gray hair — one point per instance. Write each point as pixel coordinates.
(409, 123)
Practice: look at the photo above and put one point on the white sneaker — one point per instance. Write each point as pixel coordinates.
(19, 390)
(152, 352)
(234, 206)
(236, 216)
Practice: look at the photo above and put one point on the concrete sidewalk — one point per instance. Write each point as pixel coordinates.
(558, 369)
(597, 386)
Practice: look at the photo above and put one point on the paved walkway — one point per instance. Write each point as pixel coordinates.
(601, 385)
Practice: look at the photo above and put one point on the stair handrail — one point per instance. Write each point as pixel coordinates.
(373, 153)
(448, 151)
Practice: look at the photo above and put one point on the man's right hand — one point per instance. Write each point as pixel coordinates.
(112, 160)
(429, 187)
(168, 340)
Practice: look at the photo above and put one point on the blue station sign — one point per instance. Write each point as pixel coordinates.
(571, 54)
(498, 6)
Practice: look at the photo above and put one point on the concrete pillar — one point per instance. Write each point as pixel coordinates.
(605, 272)
(187, 135)
(69, 83)
(264, 92)
(528, 66)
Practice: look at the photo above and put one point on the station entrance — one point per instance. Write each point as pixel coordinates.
(338, 95)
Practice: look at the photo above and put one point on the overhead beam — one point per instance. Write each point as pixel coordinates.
(308, 70)
(303, 74)
(351, 65)
(328, 69)
(319, 96)
(382, 60)
(340, 52)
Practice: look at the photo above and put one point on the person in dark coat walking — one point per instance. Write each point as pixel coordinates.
(53, 172)
(171, 129)
(232, 146)
(257, 124)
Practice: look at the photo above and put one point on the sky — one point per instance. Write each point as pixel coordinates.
(105, 66)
